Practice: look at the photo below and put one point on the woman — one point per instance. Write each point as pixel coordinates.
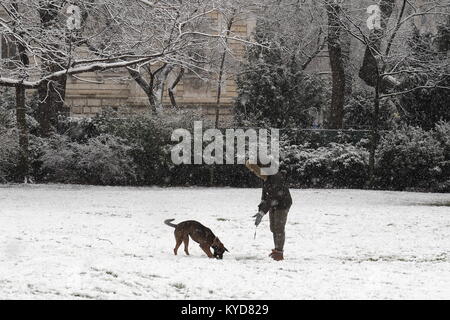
(276, 199)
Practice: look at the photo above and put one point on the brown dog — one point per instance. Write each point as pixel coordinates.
(200, 234)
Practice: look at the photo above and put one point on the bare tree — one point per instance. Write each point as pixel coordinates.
(185, 28)
(53, 41)
(227, 53)
(387, 59)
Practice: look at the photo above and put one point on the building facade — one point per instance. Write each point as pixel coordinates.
(89, 93)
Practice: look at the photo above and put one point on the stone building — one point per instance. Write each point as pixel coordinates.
(87, 94)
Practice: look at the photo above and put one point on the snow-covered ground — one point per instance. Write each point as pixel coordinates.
(69, 242)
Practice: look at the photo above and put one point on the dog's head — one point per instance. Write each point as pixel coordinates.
(219, 248)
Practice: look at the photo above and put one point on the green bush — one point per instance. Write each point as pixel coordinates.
(9, 154)
(442, 134)
(9, 146)
(333, 166)
(104, 160)
(150, 143)
(358, 112)
(135, 150)
(410, 158)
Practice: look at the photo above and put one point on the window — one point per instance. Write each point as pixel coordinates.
(7, 49)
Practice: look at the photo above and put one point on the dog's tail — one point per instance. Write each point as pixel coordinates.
(168, 222)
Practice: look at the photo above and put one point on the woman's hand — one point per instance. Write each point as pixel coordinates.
(258, 217)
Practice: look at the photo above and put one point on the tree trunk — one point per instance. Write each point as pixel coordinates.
(146, 86)
(346, 52)
(173, 86)
(21, 115)
(51, 103)
(221, 72)
(154, 88)
(219, 87)
(160, 84)
(23, 133)
(51, 93)
(337, 63)
(375, 133)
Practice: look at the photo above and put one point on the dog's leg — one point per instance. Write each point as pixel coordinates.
(175, 250)
(207, 250)
(186, 244)
(178, 240)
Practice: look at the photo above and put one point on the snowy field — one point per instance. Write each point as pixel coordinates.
(77, 242)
